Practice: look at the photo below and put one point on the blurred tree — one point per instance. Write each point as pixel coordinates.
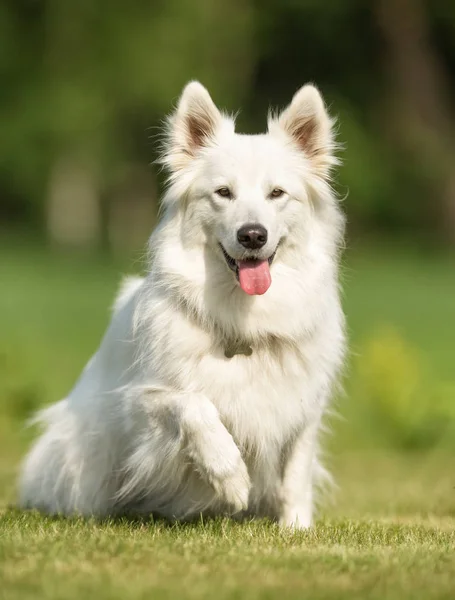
(422, 118)
(85, 82)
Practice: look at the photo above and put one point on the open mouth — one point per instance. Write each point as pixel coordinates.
(252, 273)
(233, 264)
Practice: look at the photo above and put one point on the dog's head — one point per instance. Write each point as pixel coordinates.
(249, 199)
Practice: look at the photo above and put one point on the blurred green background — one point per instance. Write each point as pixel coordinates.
(84, 87)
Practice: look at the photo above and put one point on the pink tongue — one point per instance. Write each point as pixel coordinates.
(254, 276)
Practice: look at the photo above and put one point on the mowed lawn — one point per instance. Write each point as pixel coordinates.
(389, 531)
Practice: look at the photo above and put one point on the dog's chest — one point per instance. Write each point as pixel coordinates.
(260, 400)
(260, 393)
(263, 397)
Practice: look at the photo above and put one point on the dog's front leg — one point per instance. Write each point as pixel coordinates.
(296, 495)
(202, 439)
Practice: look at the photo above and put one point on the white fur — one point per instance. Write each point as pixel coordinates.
(160, 420)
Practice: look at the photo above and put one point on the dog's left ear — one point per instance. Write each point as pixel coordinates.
(192, 127)
(309, 125)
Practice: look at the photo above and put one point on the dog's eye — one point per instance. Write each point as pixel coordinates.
(276, 193)
(224, 192)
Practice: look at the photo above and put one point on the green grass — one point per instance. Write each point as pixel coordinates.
(220, 559)
(389, 532)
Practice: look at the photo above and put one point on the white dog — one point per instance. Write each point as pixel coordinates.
(207, 392)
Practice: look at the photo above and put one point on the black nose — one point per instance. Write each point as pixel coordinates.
(252, 236)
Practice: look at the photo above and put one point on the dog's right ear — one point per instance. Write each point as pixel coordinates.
(192, 127)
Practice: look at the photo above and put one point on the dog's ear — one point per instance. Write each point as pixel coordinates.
(307, 122)
(192, 127)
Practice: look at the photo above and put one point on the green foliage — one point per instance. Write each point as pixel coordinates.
(89, 81)
(93, 84)
(400, 399)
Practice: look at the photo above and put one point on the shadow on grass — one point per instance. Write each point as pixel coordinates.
(133, 521)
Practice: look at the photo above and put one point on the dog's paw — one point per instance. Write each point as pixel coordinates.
(233, 488)
(219, 462)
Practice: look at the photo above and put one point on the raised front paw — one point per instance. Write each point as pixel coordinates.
(232, 486)
(218, 460)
